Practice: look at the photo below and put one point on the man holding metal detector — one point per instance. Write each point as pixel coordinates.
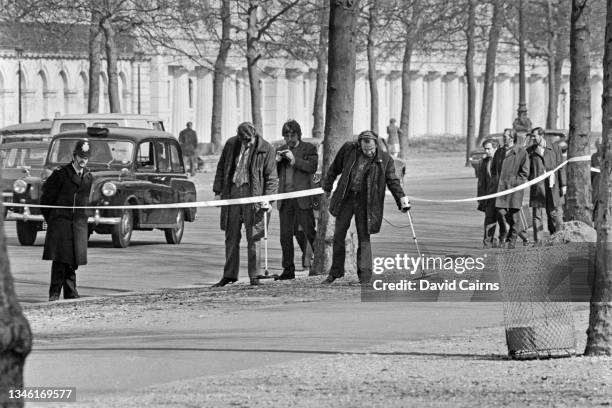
(365, 170)
(246, 168)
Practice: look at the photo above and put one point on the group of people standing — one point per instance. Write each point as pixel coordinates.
(249, 166)
(505, 168)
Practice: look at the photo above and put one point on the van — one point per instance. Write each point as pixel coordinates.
(66, 123)
(26, 132)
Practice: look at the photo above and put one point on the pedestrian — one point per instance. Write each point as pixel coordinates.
(246, 168)
(595, 177)
(393, 133)
(297, 161)
(188, 139)
(487, 184)
(511, 168)
(547, 194)
(365, 170)
(67, 230)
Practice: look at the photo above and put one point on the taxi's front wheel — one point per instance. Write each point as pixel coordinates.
(122, 232)
(174, 235)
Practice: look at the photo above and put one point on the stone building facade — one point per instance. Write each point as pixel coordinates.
(178, 91)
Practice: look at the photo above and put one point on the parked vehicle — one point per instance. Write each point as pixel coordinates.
(19, 160)
(66, 123)
(24, 132)
(130, 167)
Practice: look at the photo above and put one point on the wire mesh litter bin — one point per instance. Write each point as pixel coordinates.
(537, 310)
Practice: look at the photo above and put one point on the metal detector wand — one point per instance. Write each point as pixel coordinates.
(266, 242)
(416, 243)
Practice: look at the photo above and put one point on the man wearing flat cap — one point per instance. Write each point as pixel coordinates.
(246, 168)
(365, 170)
(67, 231)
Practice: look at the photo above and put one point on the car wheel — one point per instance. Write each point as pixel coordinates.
(122, 232)
(174, 235)
(26, 232)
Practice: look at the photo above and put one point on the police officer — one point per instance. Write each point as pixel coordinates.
(365, 171)
(67, 231)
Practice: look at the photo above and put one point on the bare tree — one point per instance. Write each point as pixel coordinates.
(216, 137)
(339, 112)
(95, 43)
(15, 333)
(319, 98)
(578, 205)
(110, 46)
(470, 78)
(489, 79)
(599, 333)
(371, 52)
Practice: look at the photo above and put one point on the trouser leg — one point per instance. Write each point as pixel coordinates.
(287, 215)
(364, 248)
(232, 242)
(554, 218)
(490, 222)
(537, 223)
(503, 228)
(253, 245)
(305, 219)
(514, 222)
(57, 278)
(70, 290)
(343, 221)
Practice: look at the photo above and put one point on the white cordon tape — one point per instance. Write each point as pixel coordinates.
(296, 194)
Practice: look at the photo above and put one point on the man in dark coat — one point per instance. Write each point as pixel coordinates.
(511, 168)
(487, 184)
(365, 170)
(247, 168)
(297, 162)
(67, 231)
(548, 193)
(188, 139)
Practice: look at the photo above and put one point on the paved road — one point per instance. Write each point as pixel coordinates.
(150, 263)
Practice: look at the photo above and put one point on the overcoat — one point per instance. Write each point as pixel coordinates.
(540, 164)
(487, 183)
(306, 163)
(263, 178)
(380, 175)
(511, 170)
(67, 231)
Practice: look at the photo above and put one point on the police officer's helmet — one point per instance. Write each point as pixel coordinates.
(82, 148)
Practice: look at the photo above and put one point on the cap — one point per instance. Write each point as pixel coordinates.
(82, 148)
(368, 134)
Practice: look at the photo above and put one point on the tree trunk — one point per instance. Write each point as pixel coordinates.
(578, 205)
(114, 99)
(216, 138)
(599, 333)
(471, 80)
(339, 113)
(553, 81)
(489, 80)
(319, 98)
(15, 333)
(372, 74)
(405, 112)
(95, 43)
(253, 56)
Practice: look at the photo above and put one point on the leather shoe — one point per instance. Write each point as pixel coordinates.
(223, 282)
(53, 298)
(330, 279)
(72, 297)
(254, 281)
(286, 275)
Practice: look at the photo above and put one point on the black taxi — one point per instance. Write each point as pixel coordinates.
(130, 166)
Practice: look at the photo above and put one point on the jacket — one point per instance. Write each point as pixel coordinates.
(380, 175)
(487, 183)
(263, 178)
(306, 163)
(511, 171)
(67, 230)
(540, 164)
(188, 139)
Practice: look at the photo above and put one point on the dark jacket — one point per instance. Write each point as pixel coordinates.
(380, 175)
(511, 170)
(67, 231)
(540, 164)
(487, 183)
(306, 163)
(188, 140)
(263, 179)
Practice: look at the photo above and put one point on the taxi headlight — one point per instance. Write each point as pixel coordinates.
(20, 186)
(109, 189)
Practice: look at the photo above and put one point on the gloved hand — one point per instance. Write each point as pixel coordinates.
(266, 206)
(405, 204)
(564, 190)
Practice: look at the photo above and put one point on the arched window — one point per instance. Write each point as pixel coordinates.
(63, 92)
(41, 98)
(83, 92)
